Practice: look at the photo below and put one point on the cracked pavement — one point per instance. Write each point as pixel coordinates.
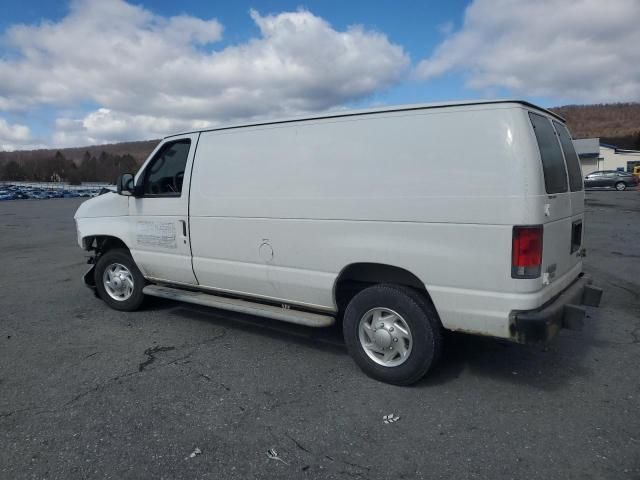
(89, 392)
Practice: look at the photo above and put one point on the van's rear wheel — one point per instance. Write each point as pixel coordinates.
(620, 186)
(393, 333)
(118, 280)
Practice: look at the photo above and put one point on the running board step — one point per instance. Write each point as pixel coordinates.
(242, 306)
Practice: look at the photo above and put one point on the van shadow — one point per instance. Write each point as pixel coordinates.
(326, 339)
(546, 367)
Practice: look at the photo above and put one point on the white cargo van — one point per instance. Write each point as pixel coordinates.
(400, 222)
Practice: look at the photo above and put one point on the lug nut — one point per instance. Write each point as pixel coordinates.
(381, 325)
(391, 329)
(395, 339)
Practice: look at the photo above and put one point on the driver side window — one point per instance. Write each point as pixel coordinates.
(164, 175)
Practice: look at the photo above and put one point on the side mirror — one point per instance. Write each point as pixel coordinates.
(124, 184)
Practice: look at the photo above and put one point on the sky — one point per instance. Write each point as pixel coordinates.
(83, 72)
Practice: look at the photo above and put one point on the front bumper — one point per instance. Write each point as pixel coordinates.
(564, 311)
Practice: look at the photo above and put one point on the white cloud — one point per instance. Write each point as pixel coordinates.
(13, 135)
(582, 50)
(108, 126)
(151, 75)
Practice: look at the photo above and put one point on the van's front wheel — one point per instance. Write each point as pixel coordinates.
(118, 280)
(393, 333)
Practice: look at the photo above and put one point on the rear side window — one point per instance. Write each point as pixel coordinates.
(571, 157)
(555, 174)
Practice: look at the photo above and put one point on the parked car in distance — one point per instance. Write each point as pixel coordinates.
(610, 179)
(44, 192)
(7, 196)
(340, 218)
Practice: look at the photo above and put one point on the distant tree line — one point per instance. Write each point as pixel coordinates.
(615, 123)
(630, 142)
(104, 168)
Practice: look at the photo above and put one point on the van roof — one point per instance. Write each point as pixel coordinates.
(369, 111)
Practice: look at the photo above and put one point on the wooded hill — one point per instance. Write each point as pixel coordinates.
(138, 150)
(617, 124)
(98, 163)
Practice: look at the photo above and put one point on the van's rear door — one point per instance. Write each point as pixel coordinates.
(576, 188)
(574, 170)
(563, 205)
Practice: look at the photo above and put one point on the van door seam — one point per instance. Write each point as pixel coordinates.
(193, 161)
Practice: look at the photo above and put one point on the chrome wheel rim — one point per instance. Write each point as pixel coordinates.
(118, 282)
(385, 337)
(620, 186)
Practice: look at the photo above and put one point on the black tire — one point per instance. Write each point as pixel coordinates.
(123, 257)
(620, 186)
(421, 318)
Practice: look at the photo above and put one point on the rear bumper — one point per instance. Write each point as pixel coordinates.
(564, 311)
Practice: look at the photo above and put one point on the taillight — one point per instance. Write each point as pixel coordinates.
(526, 252)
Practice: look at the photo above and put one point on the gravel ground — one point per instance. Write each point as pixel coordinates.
(88, 392)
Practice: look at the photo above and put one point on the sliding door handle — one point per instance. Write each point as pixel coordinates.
(184, 228)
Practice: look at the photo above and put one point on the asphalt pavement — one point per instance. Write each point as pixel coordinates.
(177, 391)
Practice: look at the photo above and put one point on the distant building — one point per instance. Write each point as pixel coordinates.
(588, 149)
(614, 158)
(601, 156)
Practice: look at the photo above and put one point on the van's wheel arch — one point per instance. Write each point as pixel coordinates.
(393, 333)
(620, 186)
(103, 243)
(118, 280)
